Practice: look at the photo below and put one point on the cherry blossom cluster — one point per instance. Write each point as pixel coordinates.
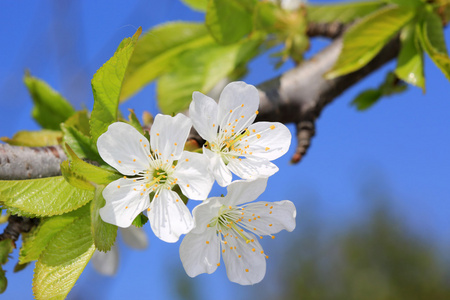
(229, 225)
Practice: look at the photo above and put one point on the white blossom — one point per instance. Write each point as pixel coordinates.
(226, 225)
(153, 169)
(234, 144)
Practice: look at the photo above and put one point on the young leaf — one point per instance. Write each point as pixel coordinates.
(106, 86)
(140, 220)
(410, 60)
(359, 49)
(40, 138)
(218, 16)
(342, 12)
(391, 85)
(199, 5)
(157, 48)
(35, 244)
(134, 121)
(63, 260)
(42, 197)
(80, 121)
(201, 70)
(104, 234)
(81, 144)
(91, 174)
(431, 37)
(50, 108)
(410, 3)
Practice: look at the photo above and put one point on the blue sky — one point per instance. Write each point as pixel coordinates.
(399, 147)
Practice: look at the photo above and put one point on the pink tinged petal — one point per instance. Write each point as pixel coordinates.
(252, 167)
(247, 263)
(200, 253)
(106, 263)
(125, 199)
(124, 148)
(218, 168)
(203, 113)
(169, 217)
(205, 212)
(272, 217)
(242, 191)
(168, 135)
(193, 175)
(238, 101)
(268, 140)
(134, 237)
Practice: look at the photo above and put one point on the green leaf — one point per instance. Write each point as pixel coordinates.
(81, 144)
(229, 20)
(35, 244)
(134, 121)
(266, 16)
(6, 248)
(156, 50)
(431, 37)
(410, 60)
(199, 5)
(200, 70)
(80, 121)
(91, 174)
(40, 138)
(50, 108)
(104, 234)
(342, 12)
(140, 220)
(391, 85)
(42, 197)
(410, 3)
(106, 86)
(359, 49)
(74, 179)
(63, 260)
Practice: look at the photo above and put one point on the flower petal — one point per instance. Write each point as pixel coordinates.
(245, 262)
(168, 135)
(169, 217)
(123, 202)
(217, 168)
(238, 105)
(205, 212)
(124, 148)
(272, 217)
(242, 191)
(252, 167)
(268, 140)
(203, 113)
(106, 263)
(134, 237)
(193, 175)
(200, 253)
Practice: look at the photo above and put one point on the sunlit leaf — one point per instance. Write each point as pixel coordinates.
(79, 121)
(201, 70)
(40, 138)
(431, 36)
(42, 197)
(106, 86)
(366, 38)
(63, 260)
(104, 234)
(199, 5)
(342, 12)
(157, 48)
(229, 20)
(410, 60)
(50, 108)
(81, 144)
(35, 244)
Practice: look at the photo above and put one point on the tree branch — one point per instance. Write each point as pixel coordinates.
(298, 96)
(30, 162)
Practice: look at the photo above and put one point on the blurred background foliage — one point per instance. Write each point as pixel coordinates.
(378, 257)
